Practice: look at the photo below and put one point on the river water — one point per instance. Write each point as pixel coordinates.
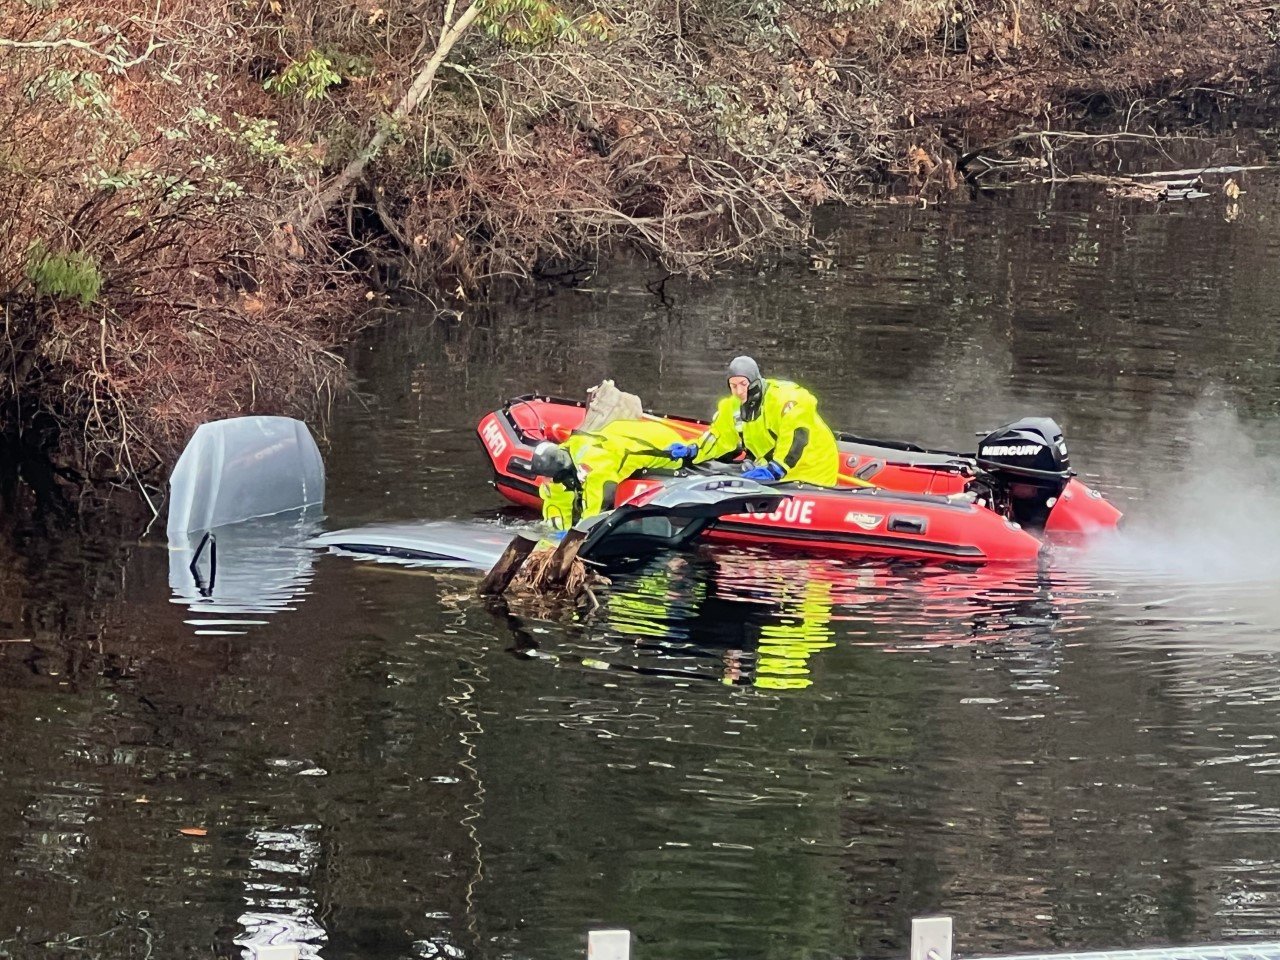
(740, 755)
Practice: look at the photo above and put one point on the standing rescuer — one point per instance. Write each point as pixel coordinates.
(776, 422)
(583, 473)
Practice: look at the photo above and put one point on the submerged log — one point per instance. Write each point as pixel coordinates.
(504, 571)
(553, 573)
(562, 564)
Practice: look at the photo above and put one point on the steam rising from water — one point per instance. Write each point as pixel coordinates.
(1211, 513)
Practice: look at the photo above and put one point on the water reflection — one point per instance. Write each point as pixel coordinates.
(254, 567)
(281, 906)
(57, 838)
(764, 620)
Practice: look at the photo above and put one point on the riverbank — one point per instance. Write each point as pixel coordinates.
(204, 200)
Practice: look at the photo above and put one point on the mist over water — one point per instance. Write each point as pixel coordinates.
(1210, 514)
(1195, 570)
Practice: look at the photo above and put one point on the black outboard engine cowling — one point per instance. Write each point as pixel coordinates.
(1026, 466)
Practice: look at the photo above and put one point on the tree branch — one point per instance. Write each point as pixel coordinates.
(319, 206)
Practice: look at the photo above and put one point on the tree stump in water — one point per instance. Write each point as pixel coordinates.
(555, 572)
(504, 571)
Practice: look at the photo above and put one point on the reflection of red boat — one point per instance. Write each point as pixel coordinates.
(1001, 504)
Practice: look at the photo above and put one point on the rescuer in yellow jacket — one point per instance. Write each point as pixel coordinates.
(583, 473)
(776, 422)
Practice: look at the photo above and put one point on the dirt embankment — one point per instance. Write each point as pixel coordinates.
(202, 196)
(1145, 69)
(1086, 54)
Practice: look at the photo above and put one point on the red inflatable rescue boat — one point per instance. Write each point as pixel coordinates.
(1003, 503)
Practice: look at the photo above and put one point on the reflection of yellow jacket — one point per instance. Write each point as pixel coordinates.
(788, 432)
(782, 660)
(659, 603)
(665, 602)
(604, 458)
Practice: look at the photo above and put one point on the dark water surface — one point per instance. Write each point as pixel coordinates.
(741, 755)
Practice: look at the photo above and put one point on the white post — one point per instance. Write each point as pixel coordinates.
(276, 951)
(931, 938)
(609, 945)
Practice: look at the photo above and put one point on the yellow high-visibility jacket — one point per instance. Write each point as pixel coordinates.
(788, 432)
(604, 459)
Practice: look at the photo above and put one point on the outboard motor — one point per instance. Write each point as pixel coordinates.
(1026, 468)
